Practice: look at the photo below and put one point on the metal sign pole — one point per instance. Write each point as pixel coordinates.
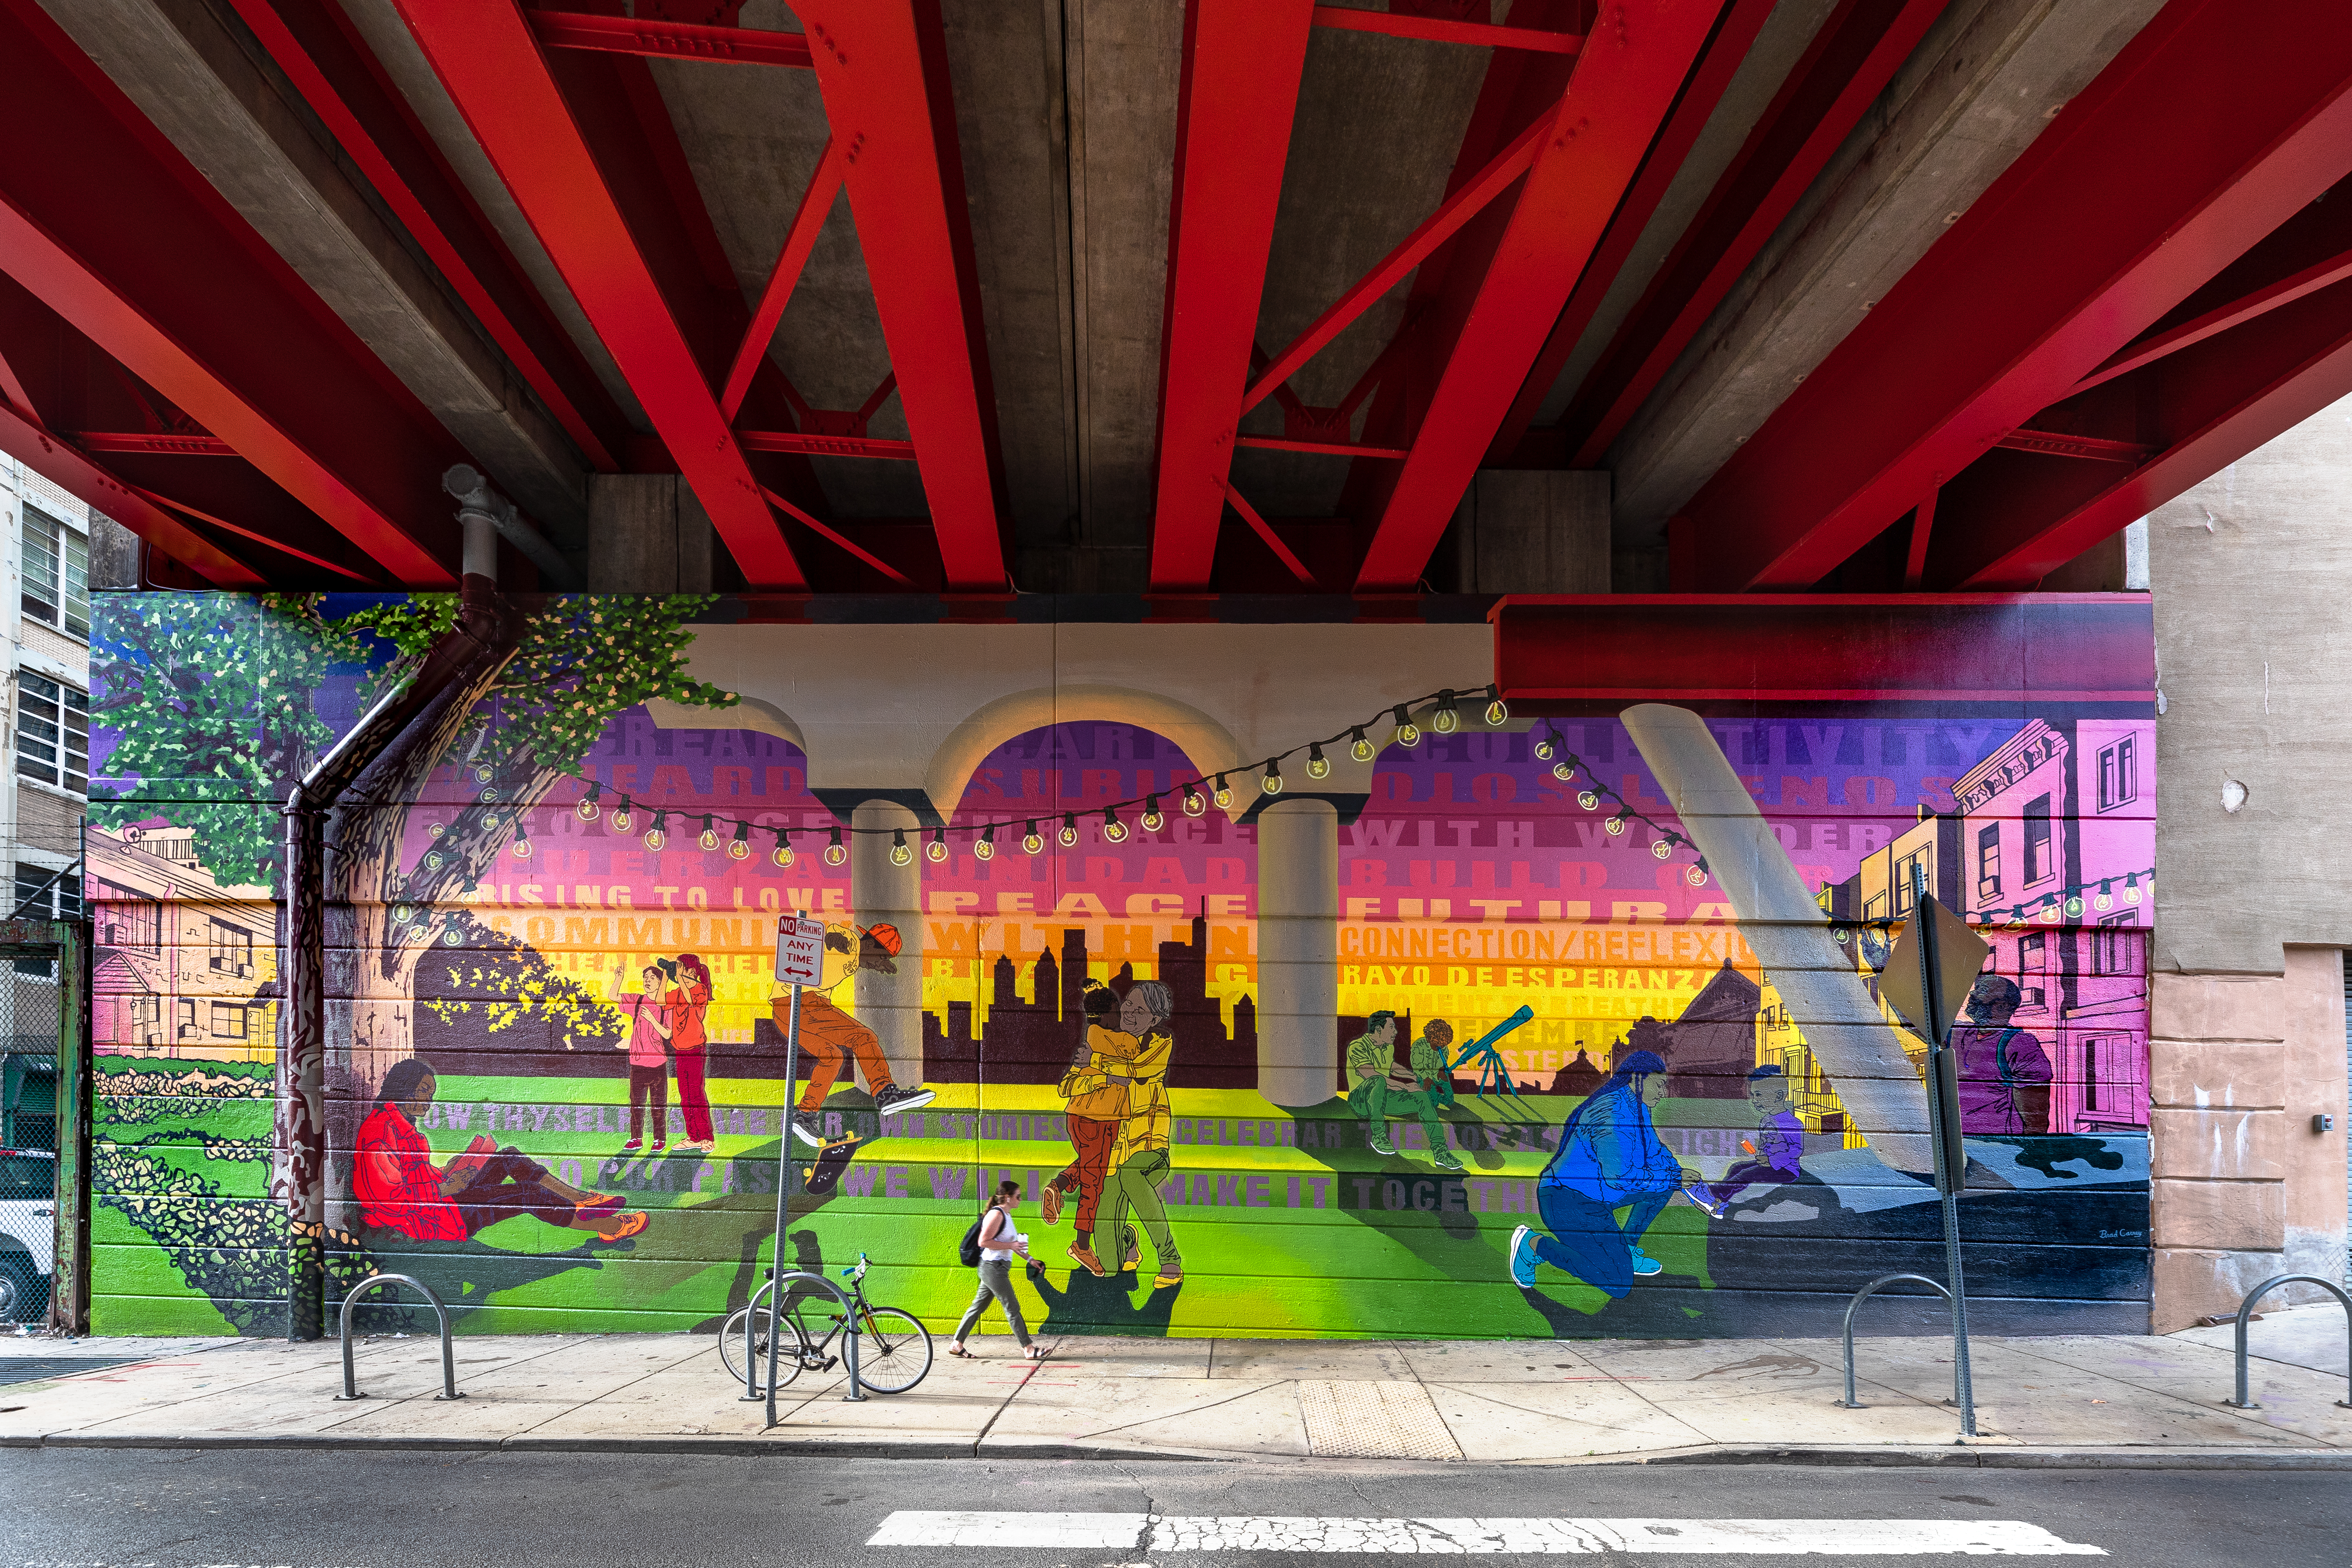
(1943, 1130)
(784, 1183)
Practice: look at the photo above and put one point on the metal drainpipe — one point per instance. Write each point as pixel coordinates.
(485, 631)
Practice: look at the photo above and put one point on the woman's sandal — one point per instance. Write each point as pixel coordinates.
(1032, 1352)
(961, 1354)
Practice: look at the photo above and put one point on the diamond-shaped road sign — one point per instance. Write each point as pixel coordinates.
(1960, 954)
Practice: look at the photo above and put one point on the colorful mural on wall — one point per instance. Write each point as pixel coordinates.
(1561, 1093)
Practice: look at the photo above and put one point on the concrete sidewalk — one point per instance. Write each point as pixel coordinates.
(2114, 1400)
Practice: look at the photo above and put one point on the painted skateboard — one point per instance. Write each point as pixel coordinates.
(824, 1174)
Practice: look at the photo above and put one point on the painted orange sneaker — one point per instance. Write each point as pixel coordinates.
(630, 1224)
(1050, 1201)
(1086, 1255)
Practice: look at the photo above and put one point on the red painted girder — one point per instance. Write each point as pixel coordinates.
(669, 41)
(241, 531)
(1625, 81)
(2221, 318)
(818, 445)
(1463, 204)
(314, 44)
(1724, 51)
(164, 442)
(1236, 102)
(1437, 30)
(84, 479)
(882, 67)
(1322, 448)
(1841, 75)
(486, 57)
(799, 240)
(1273, 540)
(2209, 130)
(2060, 444)
(2212, 403)
(833, 536)
(195, 305)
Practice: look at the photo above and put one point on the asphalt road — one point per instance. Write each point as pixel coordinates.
(232, 1509)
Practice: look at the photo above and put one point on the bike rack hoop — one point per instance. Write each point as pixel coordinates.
(2246, 1314)
(1848, 1402)
(773, 1287)
(440, 1313)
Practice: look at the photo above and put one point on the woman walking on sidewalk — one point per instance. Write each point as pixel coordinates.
(999, 1245)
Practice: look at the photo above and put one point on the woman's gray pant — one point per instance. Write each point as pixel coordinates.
(995, 1279)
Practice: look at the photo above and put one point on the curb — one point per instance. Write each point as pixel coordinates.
(1955, 1457)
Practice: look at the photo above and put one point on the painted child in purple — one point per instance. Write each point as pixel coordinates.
(1774, 1151)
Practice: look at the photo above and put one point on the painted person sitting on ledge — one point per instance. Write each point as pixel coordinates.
(400, 1189)
(1773, 1153)
(1383, 1090)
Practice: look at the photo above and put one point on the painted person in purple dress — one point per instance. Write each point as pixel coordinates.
(1772, 1154)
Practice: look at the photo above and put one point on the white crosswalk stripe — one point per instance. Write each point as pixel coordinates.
(1140, 1533)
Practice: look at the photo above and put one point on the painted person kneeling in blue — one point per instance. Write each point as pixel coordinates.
(1610, 1158)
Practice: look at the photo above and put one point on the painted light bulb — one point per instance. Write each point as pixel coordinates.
(900, 855)
(1319, 766)
(1545, 747)
(1589, 800)
(708, 839)
(1114, 831)
(1068, 834)
(1194, 805)
(1272, 783)
(1695, 876)
(1153, 821)
(1223, 794)
(1033, 841)
(586, 807)
(2106, 897)
(1497, 710)
(450, 936)
(1616, 826)
(437, 830)
(783, 852)
(985, 846)
(740, 847)
(435, 860)
(1563, 770)
(521, 843)
(2131, 889)
(2074, 905)
(1408, 733)
(936, 851)
(1449, 718)
(621, 820)
(836, 852)
(1664, 849)
(1360, 748)
(656, 836)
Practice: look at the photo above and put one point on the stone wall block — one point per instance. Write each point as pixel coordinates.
(2217, 1145)
(2204, 1075)
(2221, 1216)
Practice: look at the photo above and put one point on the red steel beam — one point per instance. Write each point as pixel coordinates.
(1239, 92)
(1438, 30)
(485, 54)
(80, 477)
(1848, 63)
(800, 240)
(317, 47)
(193, 303)
(2204, 133)
(670, 40)
(1490, 327)
(882, 67)
(1724, 51)
(2209, 404)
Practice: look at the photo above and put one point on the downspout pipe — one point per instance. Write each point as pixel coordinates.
(478, 502)
(487, 633)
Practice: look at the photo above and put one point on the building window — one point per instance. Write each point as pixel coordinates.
(1874, 907)
(126, 919)
(2119, 773)
(2037, 840)
(147, 1019)
(56, 573)
(2113, 948)
(1909, 872)
(52, 733)
(2090, 1075)
(231, 948)
(229, 1021)
(1989, 862)
(2032, 954)
(186, 1014)
(44, 894)
(2028, 998)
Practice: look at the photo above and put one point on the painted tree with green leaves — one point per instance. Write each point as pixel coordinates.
(212, 696)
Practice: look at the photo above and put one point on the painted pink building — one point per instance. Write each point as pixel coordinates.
(2057, 845)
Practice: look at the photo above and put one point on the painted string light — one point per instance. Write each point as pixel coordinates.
(656, 836)
(782, 854)
(522, 838)
(1152, 819)
(1031, 841)
(1552, 747)
(1068, 836)
(936, 851)
(1194, 805)
(1114, 831)
(2049, 909)
(708, 839)
(899, 854)
(984, 847)
(586, 807)
(1271, 783)
(834, 851)
(1319, 766)
(1448, 718)
(740, 847)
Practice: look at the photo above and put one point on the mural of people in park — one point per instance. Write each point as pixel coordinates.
(1530, 1077)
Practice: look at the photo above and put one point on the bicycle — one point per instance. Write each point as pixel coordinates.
(894, 1349)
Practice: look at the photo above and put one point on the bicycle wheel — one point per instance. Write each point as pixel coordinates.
(894, 1350)
(788, 1353)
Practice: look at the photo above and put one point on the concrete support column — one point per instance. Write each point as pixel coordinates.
(890, 1004)
(1297, 951)
(647, 533)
